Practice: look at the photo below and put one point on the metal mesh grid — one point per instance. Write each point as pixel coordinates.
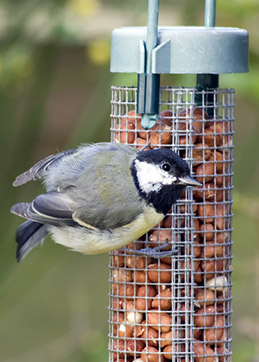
(178, 308)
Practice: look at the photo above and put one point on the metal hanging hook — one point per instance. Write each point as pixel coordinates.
(148, 82)
(206, 81)
(210, 13)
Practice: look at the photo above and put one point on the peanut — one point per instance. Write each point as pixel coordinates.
(198, 275)
(160, 321)
(220, 180)
(220, 165)
(207, 231)
(135, 245)
(163, 300)
(169, 352)
(182, 210)
(210, 193)
(210, 138)
(166, 338)
(167, 260)
(213, 335)
(204, 317)
(151, 354)
(127, 136)
(222, 351)
(221, 221)
(196, 226)
(126, 290)
(141, 143)
(117, 319)
(222, 238)
(197, 333)
(196, 248)
(137, 262)
(116, 303)
(159, 237)
(161, 133)
(159, 273)
(224, 127)
(118, 260)
(166, 116)
(140, 277)
(206, 213)
(211, 250)
(218, 284)
(168, 222)
(122, 275)
(147, 292)
(148, 333)
(205, 172)
(126, 330)
(201, 152)
(132, 315)
(197, 115)
(119, 346)
(212, 265)
(201, 350)
(134, 346)
(183, 140)
(131, 116)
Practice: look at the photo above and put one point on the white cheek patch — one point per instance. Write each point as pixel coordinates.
(151, 177)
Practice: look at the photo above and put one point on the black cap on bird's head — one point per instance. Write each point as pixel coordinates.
(160, 176)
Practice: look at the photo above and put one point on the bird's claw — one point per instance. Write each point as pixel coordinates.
(153, 252)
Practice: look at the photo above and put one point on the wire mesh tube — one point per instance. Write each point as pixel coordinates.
(178, 308)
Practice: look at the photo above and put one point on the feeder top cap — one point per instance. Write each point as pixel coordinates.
(181, 50)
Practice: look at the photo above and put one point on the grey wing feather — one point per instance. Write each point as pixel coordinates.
(96, 188)
(37, 171)
(51, 208)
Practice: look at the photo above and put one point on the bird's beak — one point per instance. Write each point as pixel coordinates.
(188, 181)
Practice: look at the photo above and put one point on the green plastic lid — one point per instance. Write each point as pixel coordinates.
(182, 50)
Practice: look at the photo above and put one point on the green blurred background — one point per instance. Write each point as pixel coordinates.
(55, 94)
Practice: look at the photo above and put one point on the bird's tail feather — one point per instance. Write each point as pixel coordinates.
(28, 235)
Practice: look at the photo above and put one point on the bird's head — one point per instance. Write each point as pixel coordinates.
(160, 176)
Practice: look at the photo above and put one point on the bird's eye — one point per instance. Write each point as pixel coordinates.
(166, 167)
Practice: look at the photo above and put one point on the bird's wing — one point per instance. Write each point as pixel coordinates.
(37, 171)
(94, 188)
(52, 208)
(56, 208)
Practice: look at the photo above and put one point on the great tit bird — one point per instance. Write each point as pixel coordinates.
(100, 197)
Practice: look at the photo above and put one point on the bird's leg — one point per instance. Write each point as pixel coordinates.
(156, 252)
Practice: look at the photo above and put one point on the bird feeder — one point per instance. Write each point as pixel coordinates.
(178, 307)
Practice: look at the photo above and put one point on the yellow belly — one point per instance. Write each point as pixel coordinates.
(89, 241)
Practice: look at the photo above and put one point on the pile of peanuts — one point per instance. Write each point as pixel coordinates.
(144, 325)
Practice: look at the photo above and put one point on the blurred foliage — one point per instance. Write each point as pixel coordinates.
(55, 94)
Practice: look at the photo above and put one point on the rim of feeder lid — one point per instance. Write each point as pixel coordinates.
(181, 50)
